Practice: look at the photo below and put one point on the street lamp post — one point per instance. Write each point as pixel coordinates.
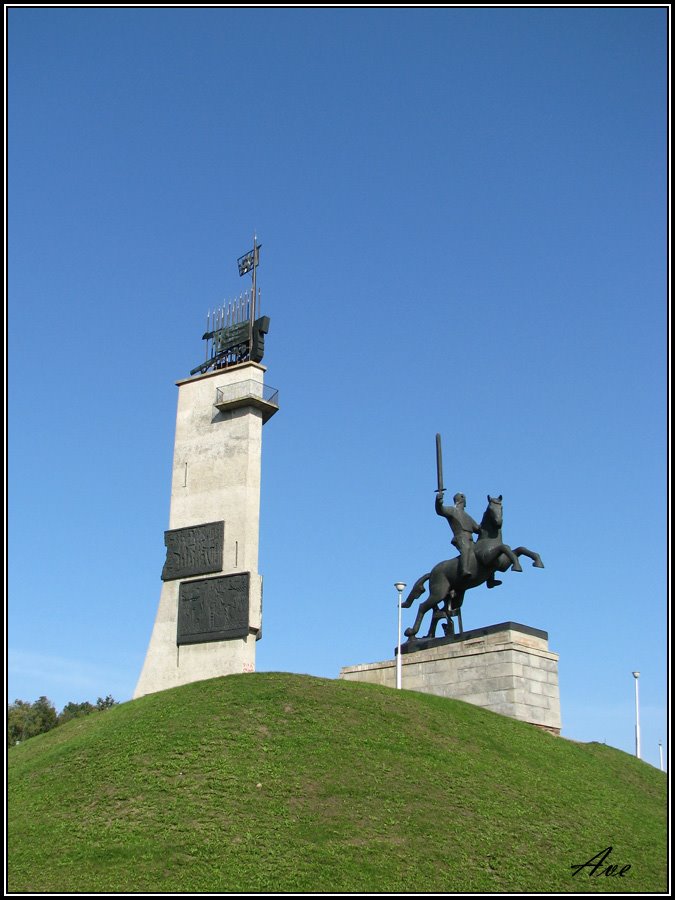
(660, 756)
(636, 675)
(400, 587)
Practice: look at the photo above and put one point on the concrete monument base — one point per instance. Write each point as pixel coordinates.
(506, 668)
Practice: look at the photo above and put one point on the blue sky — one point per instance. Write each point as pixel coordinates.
(463, 215)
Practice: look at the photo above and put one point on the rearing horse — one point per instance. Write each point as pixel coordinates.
(447, 586)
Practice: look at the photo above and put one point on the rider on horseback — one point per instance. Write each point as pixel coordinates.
(463, 528)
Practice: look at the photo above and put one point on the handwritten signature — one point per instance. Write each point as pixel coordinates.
(596, 865)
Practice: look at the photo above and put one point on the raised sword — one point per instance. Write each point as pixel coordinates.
(439, 465)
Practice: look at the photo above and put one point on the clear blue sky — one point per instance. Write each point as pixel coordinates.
(463, 215)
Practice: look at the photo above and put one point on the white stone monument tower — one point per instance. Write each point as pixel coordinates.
(210, 609)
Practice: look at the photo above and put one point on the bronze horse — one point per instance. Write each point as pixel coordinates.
(447, 587)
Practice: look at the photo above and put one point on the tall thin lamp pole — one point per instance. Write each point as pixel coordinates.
(660, 756)
(400, 587)
(636, 675)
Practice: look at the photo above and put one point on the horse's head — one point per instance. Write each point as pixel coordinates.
(493, 515)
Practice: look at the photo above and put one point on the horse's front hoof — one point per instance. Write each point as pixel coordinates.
(516, 567)
(538, 565)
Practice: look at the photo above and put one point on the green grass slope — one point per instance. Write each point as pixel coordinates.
(287, 783)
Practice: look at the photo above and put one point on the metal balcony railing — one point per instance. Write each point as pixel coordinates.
(248, 393)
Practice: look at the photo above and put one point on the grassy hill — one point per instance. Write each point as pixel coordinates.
(288, 783)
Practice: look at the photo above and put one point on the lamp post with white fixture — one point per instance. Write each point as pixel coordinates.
(400, 587)
(636, 675)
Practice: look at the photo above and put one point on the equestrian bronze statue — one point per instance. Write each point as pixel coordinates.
(476, 564)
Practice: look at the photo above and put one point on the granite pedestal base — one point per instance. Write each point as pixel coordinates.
(506, 668)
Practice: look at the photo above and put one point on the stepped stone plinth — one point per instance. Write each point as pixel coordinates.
(506, 668)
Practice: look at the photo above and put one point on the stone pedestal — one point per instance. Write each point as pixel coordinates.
(210, 608)
(506, 668)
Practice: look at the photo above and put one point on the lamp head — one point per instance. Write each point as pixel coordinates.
(636, 674)
(400, 586)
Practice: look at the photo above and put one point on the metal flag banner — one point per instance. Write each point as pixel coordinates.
(249, 260)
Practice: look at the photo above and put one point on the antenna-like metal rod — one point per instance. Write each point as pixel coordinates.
(252, 306)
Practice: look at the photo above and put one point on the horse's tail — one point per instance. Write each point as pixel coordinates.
(417, 590)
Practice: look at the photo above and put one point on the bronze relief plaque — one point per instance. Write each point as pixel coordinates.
(213, 609)
(196, 550)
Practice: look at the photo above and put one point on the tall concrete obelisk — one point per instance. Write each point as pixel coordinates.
(210, 609)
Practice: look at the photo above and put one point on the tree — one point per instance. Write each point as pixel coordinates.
(75, 711)
(105, 703)
(25, 720)
(45, 717)
(18, 716)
